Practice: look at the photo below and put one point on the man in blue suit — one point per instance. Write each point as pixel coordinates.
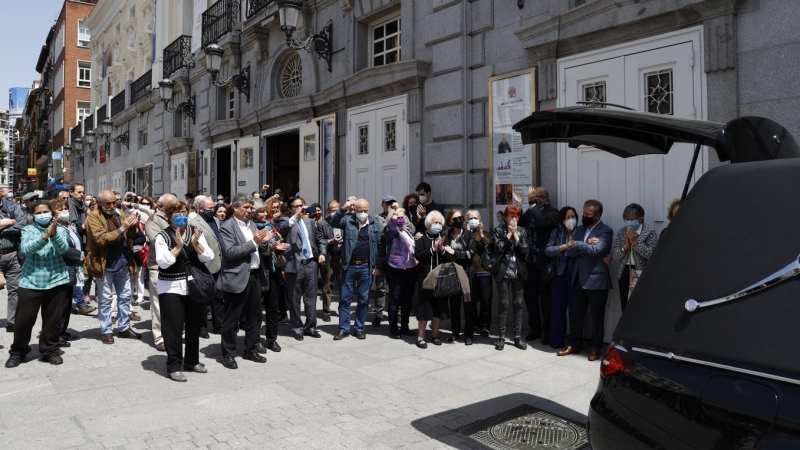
(590, 279)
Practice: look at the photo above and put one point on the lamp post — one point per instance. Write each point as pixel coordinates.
(240, 81)
(165, 87)
(320, 44)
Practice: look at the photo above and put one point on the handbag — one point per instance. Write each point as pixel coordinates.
(200, 283)
(489, 263)
(278, 260)
(447, 282)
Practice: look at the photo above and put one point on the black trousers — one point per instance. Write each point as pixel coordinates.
(401, 290)
(51, 302)
(66, 311)
(624, 285)
(177, 312)
(270, 300)
(537, 302)
(302, 289)
(481, 294)
(583, 299)
(248, 300)
(455, 315)
(217, 306)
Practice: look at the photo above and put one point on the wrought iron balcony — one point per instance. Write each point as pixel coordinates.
(219, 19)
(141, 87)
(254, 6)
(118, 104)
(88, 123)
(102, 113)
(178, 55)
(75, 133)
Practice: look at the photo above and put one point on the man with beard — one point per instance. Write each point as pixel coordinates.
(77, 215)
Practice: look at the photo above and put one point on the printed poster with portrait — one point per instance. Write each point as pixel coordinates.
(512, 97)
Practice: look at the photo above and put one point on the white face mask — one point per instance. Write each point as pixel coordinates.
(423, 199)
(570, 224)
(87, 202)
(64, 216)
(362, 216)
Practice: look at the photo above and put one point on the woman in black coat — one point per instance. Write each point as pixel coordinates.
(509, 247)
(429, 252)
(459, 247)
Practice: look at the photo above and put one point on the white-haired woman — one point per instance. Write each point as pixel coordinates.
(429, 251)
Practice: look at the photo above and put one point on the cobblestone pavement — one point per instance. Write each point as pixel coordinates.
(376, 393)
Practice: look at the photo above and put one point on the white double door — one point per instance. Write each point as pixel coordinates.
(377, 154)
(178, 174)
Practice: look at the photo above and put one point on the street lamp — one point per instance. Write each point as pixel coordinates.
(320, 44)
(165, 87)
(92, 150)
(240, 81)
(77, 144)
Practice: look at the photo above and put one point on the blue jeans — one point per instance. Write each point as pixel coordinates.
(77, 297)
(119, 282)
(362, 276)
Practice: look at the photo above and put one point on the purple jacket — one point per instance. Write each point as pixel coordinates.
(401, 254)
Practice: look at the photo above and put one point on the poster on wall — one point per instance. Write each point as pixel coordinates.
(328, 158)
(512, 97)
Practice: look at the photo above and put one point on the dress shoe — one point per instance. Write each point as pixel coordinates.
(326, 317)
(86, 310)
(283, 319)
(532, 336)
(407, 332)
(255, 357)
(485, 332)
(394, 335)
(63, 343)
(341, 335)
(500, 345)
(273, 346)
(468, 341)
(422, 344)
(204, 333)
(314, 334)
(161, 347)
(298, 337)
(545, 340)
(360, 334)
(198, 368)
(260, 348)
(134, 317)
(107, 338)
(454, 338)
(594, 354)
(230, 362)
(68, 336)
(376, 322)
(10, 328)
(520, 344)
(177, 376)
(13, 361)
(436, 341)
(129, 334)
(569, 350)
(52, 359)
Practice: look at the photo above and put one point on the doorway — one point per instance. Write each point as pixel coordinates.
(223, 172)
(283, 162)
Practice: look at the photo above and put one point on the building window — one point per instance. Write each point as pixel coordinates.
(231, 104)
(175, 173)
(116, 30)
(363, 140)
(594, 92)
(576, 3)
(142, 138)
(185, 125)
(386, 43)
(84, 111)
(132, 13)
(658, 92)
(391, 137)
(84, 36)
(292, 77)
(84, 74)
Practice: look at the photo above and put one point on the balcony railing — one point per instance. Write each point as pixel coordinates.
(118, 104)
(88, 123)
(75, 133)
(254, 6)
(141, 87)
(102, 114)
(177, 55)
(219, 19)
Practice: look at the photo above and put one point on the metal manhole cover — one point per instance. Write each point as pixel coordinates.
(528, 428)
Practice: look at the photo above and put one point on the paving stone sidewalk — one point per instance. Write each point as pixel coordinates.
(376, 393)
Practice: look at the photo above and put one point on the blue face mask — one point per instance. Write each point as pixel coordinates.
(632, 224)
(261, 225)
(436, 228)
(43, 219)
(180, 220)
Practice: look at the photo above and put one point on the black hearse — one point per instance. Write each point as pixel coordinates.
(707, 353)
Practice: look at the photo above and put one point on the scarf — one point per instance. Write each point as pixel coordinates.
(76, 212)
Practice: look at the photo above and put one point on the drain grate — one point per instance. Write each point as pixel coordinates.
(528, 428)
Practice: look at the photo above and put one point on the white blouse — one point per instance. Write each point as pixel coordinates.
(165, 259)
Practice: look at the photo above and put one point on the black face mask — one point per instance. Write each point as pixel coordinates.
(458, 222)
(587, 221)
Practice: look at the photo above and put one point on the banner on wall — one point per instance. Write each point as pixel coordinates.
(328, 159)
(512, 97)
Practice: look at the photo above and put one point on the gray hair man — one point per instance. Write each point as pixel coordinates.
(155, 225)
(205, 220)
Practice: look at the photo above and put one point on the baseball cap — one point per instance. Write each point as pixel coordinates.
(30, 196)
(389, 199)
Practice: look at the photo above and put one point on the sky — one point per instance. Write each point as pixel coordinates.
(25, 27)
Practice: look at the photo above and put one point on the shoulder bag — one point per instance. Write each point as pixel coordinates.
(200, 283)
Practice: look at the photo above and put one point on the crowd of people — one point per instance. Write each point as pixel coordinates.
(270, 258)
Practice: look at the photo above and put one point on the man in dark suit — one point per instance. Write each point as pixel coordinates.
(332, 270)
(591, 280)
(240, 243)
(540, 220)
(206, 221)
(308, 248)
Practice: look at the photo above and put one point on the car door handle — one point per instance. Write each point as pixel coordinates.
(790, 271)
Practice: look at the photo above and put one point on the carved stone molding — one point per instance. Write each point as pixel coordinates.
(719, 36)
(547, 79)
